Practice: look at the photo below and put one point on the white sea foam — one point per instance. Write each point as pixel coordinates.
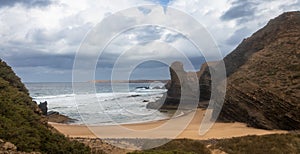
(105, 108)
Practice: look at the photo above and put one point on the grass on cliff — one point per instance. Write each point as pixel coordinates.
(21, 123)
(180, 146)
(275, 144)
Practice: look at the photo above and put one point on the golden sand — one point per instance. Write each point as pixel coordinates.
(217, 131)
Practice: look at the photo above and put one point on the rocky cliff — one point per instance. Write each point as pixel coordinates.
(264, 77)
(21, 123)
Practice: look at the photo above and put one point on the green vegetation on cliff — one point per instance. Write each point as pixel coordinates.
(180, 146)
(275, 144)
(21, 122)
(7, 74)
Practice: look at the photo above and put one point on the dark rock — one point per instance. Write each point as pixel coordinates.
(43, 107)
(178, 75)
(59, 118)
(52, 113)
(183, 87)
(134, 95)
(54, 116)
(204, 77)
(142, 88)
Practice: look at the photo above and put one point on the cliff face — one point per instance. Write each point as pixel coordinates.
(264, 77)
(21, 122)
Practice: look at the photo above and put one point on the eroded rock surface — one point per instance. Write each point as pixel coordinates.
(264, 77)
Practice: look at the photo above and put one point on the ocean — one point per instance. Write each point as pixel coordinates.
(126, 103)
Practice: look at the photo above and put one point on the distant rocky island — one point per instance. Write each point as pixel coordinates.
(263, 76)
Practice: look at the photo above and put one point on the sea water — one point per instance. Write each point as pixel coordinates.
(100, 104)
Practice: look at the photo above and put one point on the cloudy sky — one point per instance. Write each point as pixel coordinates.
(40, 38)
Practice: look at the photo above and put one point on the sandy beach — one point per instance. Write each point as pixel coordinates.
(149, 129)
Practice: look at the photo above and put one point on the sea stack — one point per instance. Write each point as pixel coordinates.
(178, 76)
(183, 90)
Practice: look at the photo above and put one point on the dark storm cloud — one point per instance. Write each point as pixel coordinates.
(240, 9)
(107, 60)
(26, 3)
(37, 59)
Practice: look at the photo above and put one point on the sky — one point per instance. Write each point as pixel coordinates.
(40, 38)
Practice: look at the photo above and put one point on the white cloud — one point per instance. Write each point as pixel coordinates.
(58, 28)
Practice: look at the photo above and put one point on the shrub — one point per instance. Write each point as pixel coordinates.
(22, 125)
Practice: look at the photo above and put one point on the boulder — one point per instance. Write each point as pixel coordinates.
(9, 146)
(43, 107)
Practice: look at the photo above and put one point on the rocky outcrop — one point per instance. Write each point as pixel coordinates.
(197, 87)
(204, 77)
(53, 116)
(263, 77)
(183, 87)
(44, 108)
(178, 75)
